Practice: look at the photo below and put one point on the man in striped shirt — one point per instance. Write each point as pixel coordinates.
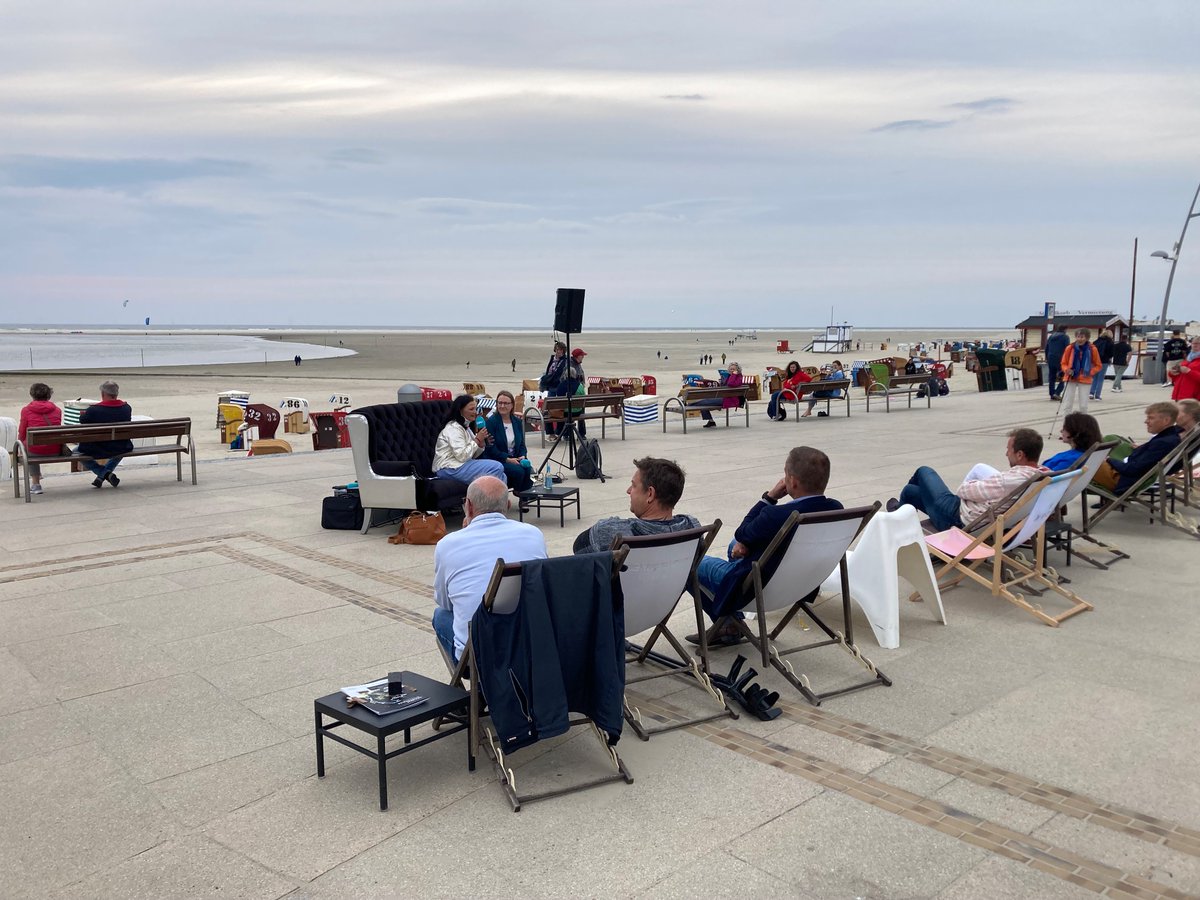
(984, 489)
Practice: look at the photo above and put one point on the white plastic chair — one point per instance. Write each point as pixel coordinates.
(891, 547)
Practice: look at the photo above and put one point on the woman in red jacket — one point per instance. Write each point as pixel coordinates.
(1185, 376)
(793, 376)
(41, 413)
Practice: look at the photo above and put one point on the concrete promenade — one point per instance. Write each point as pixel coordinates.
(161, 646)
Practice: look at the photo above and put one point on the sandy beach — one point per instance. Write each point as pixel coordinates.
(384, 361)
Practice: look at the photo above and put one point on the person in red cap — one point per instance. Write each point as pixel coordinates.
(573, 382)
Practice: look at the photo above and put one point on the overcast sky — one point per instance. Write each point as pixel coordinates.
(688, 163)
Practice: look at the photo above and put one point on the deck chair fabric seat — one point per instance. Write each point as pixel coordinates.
(891, 547)
(561, 650)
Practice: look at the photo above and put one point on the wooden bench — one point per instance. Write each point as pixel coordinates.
(689, 401)
(177, 429)
(900, 384)
(584, 406)
(799, 392)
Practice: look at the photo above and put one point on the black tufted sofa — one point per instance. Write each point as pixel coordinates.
(401, 439)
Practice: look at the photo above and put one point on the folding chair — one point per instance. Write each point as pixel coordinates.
(503, 597)
(963, 554)
(1149, 493)
(1089, 464)
(808, 547)
(891, 547)
(657, 570)
(1183, 481)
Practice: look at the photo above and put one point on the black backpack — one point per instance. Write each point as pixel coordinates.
(942, 388)
(588, 460)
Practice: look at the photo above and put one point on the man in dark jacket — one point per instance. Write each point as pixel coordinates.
(1056, 345)
(1121, 351)
(108, 411)
(1160, 423)
(1173, 349)
(805, 476)
(1104, 346)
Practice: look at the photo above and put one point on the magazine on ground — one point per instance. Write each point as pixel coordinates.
(374, 696)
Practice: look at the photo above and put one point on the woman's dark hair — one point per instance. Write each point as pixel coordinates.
(457, 405)
(1083, 429)
(39, 391)
(792, 368)
(559, 345)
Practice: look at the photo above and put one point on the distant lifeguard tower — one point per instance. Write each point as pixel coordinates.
(837, 339)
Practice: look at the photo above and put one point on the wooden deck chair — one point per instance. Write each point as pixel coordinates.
(808, 547)
(1089, 464)
(1151, 493)
(658, 569)
(502, 596)
(964, 555)
(1183, 480)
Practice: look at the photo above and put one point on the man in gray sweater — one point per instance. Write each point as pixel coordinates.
(655, 488)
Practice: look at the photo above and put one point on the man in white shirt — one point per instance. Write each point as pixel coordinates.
(984, 488)
(463, 560)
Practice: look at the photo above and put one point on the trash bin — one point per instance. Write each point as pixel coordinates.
(990, 370)
(408, 393)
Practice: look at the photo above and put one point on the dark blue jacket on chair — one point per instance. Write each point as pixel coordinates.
(1144, 458)
(562, 650)
(499, 448)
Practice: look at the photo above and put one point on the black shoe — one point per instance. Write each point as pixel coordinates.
(113, 480)
(1099, 504)
(892, 505)
(710, 424)
(781, 415)
(98, 483)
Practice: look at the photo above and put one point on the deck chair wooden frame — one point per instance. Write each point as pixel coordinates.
(817, 546)
(1151, 493)
(1183, 481)
(502, 595)
(988, 557)
(658, 569)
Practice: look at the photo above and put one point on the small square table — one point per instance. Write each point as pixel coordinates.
(441, 700)
(559, 496)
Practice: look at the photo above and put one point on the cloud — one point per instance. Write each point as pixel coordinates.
(986, 105)
(355, 156)
(916, 125)
(79, 173)
(684, 97)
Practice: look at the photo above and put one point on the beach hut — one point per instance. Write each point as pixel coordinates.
(782, 346)
(239, 399)
(73, 409)
(340, 402)
(1034, 329)
(263, 419)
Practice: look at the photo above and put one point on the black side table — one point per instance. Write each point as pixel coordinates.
(559, 496)
(441, 700)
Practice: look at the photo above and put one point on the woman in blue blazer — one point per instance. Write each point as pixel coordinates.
(508, 442)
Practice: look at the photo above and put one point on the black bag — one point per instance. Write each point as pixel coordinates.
(910, 367)
(587, 463)
(943, 388)
(342, 512)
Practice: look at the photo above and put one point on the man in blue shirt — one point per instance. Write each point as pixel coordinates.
(463, 560)
(805, 476)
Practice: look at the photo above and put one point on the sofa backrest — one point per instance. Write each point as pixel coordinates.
(405, 432)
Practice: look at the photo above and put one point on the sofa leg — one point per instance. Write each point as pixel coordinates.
(366, 521)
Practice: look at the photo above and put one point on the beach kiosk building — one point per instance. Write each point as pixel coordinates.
(1034, 330)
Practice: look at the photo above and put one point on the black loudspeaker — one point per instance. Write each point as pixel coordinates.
(568, 311)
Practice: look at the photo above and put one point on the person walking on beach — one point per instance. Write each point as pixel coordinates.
(514, 364)
(722, 359)
(1080, 363)
(1056, 345)
(1104, 346)
(1121, 351)
(109, 410)
(40, 413)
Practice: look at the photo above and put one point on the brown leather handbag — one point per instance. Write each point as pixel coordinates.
(420, 528)
(1107, 477)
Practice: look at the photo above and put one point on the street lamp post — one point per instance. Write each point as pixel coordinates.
(1152, 373)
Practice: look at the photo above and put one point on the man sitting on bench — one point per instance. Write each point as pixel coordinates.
(805, 476)
(108, 411)
(984, 489)
(655, 488)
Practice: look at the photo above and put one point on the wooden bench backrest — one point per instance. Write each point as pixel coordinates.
(577, 401)
(691, 394)
(918, 378)
(72, 434)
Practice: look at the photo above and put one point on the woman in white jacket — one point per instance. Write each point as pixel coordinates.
(460, 443)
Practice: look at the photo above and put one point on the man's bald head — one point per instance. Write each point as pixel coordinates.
(487, 494)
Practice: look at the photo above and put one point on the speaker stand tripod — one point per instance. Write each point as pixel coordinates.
(569, 435)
